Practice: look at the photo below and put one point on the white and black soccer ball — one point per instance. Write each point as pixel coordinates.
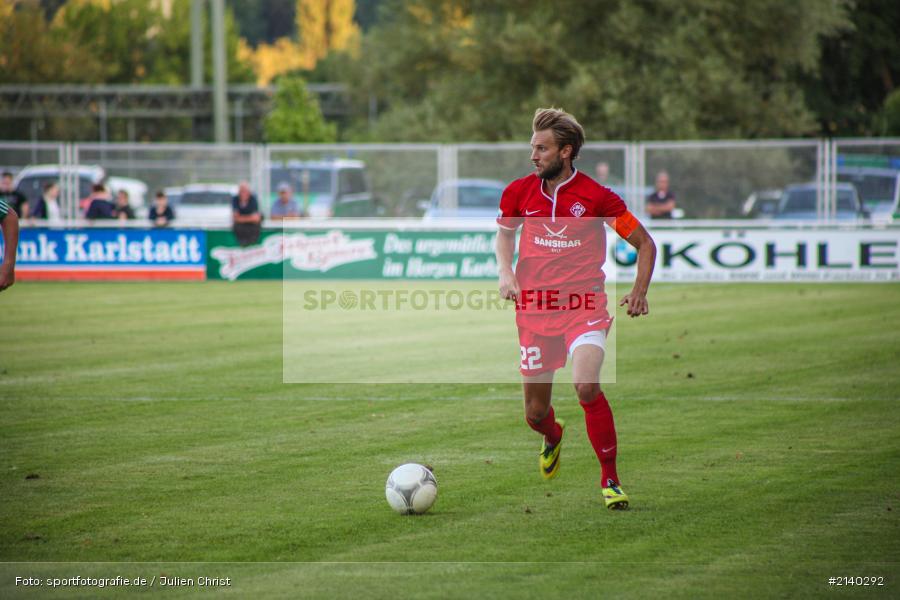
(411, 489)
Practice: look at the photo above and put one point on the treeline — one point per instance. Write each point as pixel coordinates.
(632, 69)
(459, 70)
(105, 42)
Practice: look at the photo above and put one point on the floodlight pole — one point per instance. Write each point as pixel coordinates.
(220, 73)
(196, 43)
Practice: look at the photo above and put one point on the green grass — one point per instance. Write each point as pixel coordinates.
(760, 462)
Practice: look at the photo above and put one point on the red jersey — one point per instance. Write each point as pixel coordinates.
(563, 242)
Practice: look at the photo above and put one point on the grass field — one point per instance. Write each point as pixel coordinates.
(145, 430)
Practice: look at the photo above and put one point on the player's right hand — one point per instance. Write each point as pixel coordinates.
(7, 278)
(509, 285)
(636, 303)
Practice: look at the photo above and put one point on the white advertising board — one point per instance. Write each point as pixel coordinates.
(765, 255)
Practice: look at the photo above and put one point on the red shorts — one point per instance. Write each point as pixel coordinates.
(545, 340)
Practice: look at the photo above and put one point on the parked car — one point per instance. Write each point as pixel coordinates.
(473, 198)
(798, 203)
(762, 204)
(173, 194)
(326, 188)
(30, 181)
(878, 189)
(202, 204)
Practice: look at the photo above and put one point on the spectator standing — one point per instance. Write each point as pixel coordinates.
(98, 192)
(602, 173)
(161, 214)
(15, 200)
(101, 206)
(247, 220)
(124, 212)
(661, 202)
(47, 207)
(285, 207)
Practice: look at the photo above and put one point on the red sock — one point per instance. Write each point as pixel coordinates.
(602, 432)
(548, 426)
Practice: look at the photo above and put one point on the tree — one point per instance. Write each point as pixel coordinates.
(325, 25)
(264, 21)
(136, 42)
(171, 62)
(474, 69)
(296, 116)
(30, 52)
(120, 34)
(859, 68)
(103, 41)
(367, 13)
(271, 60)
(891, 114)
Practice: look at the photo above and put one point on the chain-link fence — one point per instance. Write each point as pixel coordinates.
(501, 163)
(872, 168)
(800, 180)
(15, 156)
(40, 160)
(364, 180)
(730, 180)
(199, 179)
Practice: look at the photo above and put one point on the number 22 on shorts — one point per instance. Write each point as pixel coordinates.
(531, 357)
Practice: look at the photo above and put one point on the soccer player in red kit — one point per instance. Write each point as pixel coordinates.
(558, 286)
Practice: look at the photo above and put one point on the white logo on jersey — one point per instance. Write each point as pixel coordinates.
(556, 243)
(577, 209)
(555, 234)
(531, 212)
(558, 239)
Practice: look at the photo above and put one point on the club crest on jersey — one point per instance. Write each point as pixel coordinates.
(577, 209)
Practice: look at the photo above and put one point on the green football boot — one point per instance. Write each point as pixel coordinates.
(614, 497)
(549, 457)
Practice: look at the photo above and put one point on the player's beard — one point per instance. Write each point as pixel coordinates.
(552, 170)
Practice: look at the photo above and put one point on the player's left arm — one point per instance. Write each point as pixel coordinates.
(10, 228)
(640, 239)
(631, 230)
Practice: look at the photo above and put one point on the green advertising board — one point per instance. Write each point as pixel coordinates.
(353, 254)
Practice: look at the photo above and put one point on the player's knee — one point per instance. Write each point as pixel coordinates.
(587, 392)
(535, 412)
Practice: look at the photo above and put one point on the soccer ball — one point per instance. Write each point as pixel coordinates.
(411, 489)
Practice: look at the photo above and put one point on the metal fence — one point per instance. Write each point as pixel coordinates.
(872, 167)
(710, 179)
(363, 179)
(162, 166)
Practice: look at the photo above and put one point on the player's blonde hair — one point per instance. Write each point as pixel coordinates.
(566, 129)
